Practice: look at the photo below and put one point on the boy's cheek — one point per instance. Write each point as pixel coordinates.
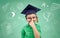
(28, 20)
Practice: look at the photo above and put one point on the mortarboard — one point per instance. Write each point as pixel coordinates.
(30, 10)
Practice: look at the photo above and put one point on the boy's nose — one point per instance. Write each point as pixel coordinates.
(32, 19)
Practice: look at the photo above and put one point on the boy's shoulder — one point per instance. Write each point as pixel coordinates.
(37, 25)
(26, 26)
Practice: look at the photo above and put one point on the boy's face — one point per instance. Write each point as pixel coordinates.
(31, 17)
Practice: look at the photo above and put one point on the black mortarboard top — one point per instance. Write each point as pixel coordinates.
(30, 10)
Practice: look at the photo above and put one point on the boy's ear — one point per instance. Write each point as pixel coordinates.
(37, 18)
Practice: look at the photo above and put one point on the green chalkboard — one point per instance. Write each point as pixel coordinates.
(12, 21)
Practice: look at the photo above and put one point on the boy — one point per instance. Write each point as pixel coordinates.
(31, 30)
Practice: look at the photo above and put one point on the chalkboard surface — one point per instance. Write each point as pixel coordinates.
(12, 21)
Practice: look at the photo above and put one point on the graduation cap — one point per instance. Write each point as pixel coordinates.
(30, 10)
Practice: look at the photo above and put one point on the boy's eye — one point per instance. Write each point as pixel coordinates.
(29, 18)
(34, 17)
